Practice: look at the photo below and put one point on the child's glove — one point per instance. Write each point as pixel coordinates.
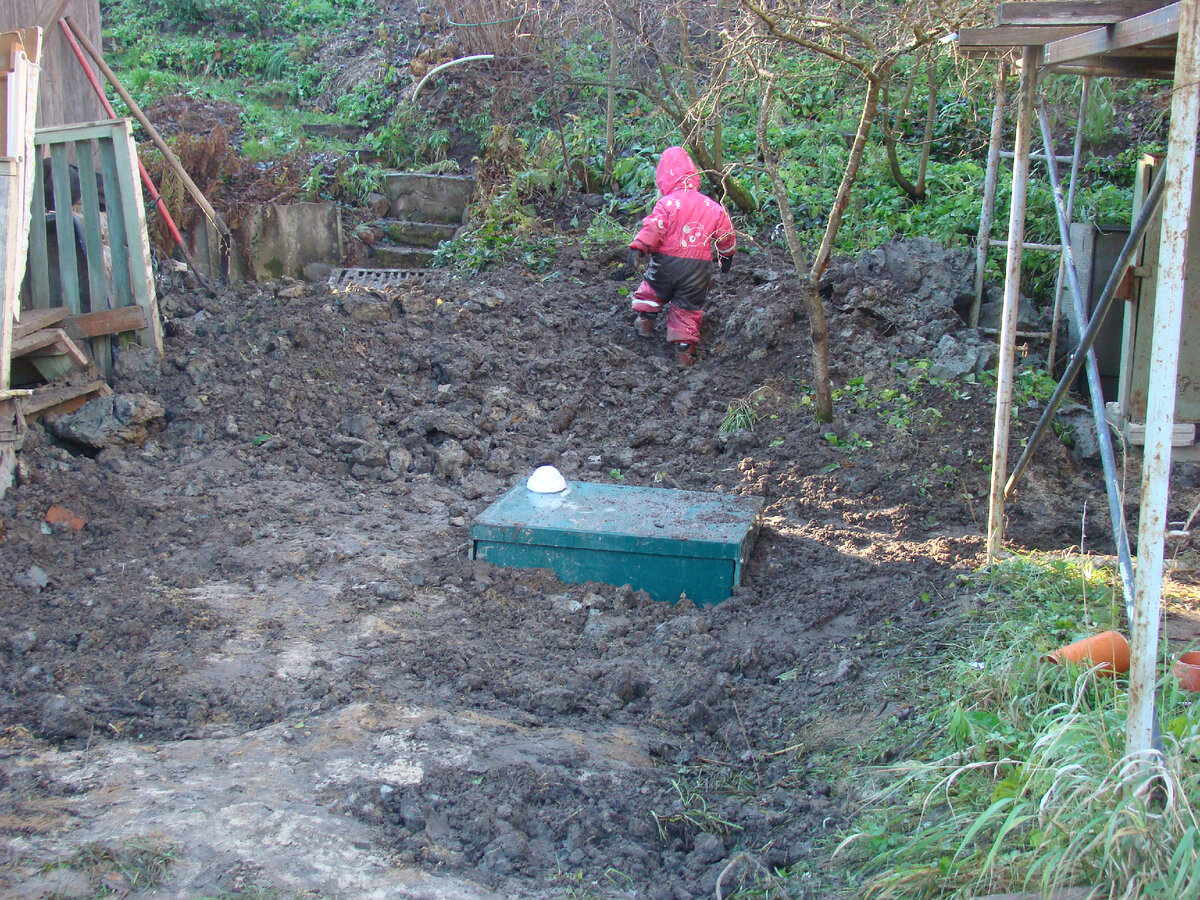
(635, 257)
(726, 263)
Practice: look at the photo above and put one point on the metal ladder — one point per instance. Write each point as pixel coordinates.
(986, 241)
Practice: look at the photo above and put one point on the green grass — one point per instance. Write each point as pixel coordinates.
(1028, 787)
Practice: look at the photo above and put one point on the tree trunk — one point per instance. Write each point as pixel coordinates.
(818, 329)
(610, 141)
(914, 192)
(870, 108)
(930, 120)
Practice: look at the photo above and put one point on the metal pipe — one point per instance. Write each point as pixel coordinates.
(1076, 155)
(1012, 292)
(988, 210)
(1107, 296)
(1115, 508)
(159, 203)
(1164, 373)
(167, 152)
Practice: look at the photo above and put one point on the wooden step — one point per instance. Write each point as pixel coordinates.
(63, 396)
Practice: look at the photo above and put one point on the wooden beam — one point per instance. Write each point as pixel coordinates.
(1147, 28)
(63, 397)
(1009, 36)
(51, 12)
(49, 337)
(36, 319)
(108, 321)
(1073, 12)
(1115, 68)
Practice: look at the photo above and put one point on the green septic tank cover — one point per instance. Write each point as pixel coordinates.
(665, 542)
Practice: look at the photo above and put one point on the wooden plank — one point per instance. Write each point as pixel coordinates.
(66, 95)
(39, 264)
(89, 192)
(64, 228)
(1161, 24)
(10, 192)
(109, 321)
(118, 232)
(48, 337)
(63, 396)
(1119, 67)
(1072, 12)
(39, 340)
(82, 131)
(36, 319)
(141, 274)
(1007, 36)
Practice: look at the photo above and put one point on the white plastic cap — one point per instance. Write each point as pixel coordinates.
(546, 480)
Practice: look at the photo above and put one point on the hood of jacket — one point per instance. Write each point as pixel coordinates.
(676, 171)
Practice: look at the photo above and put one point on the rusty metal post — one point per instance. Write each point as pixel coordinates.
(1164, 372)
(1012, 296)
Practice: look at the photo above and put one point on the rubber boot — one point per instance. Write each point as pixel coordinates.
(685, 354)
(645, 325)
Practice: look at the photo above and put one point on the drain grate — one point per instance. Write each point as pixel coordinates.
(378, 278)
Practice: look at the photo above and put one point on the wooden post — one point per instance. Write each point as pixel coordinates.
(1012, 296)
(1164, 373)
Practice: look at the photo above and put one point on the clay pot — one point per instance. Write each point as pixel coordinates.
(1187, 670)
(1109, 650)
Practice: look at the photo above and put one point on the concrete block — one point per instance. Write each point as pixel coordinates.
(282, 240)
(428, 198)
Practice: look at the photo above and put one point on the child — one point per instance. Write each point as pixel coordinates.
(679, 236)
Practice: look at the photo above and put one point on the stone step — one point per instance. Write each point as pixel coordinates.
(428, 198)
(422, 234)
(392, 256)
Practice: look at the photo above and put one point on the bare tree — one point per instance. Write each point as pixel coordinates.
(689, 78)
(869, 40)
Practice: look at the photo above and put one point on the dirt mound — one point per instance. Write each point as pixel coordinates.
(269, 612)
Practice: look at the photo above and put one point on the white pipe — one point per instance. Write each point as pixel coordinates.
(1012, 292)
(1164, 372)
(447, 65)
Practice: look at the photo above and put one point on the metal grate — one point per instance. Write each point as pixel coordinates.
(378, 278)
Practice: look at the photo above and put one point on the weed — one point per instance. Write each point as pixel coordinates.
(691, 813)
(616, 474)
(136, 866)
(744, 414)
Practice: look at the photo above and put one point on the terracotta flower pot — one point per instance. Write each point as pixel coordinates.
(1187, 670)
(1109, 650)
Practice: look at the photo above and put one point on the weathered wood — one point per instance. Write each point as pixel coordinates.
(1009, 36)
(1159, 25)
(51, 12)
(36, 319)
(109, 321)
(1073, 12)
(63, 396)
(49, 337)
(65, 94)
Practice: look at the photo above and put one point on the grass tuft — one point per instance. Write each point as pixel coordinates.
(1030, 789)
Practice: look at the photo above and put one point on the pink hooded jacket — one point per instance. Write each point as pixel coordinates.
(684, 222)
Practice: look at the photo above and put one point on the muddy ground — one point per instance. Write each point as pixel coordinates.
(266, 666)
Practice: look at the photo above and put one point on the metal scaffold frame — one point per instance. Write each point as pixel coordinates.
(1114, 39)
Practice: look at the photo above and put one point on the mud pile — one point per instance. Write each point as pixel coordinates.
(273, 570)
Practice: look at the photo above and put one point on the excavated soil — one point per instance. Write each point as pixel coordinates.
(266, 661)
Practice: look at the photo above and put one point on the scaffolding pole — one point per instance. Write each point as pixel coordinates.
(1164, 373)
(1012, 289)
